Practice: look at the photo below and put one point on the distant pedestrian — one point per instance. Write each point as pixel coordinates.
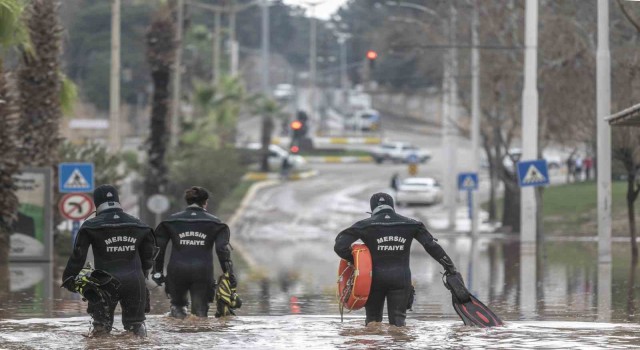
(578, 168)
(285, 167)
(588, 165)
(570, 168)
(395, 182)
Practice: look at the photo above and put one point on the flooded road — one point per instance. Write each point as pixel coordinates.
(317, 332)
(288, 285)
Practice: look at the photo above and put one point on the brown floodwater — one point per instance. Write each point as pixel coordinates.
(563, 299)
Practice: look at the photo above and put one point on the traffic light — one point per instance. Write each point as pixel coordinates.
(371, 57)
(299, 130)
(299, 127)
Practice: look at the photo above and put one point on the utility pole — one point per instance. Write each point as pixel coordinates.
(451, 134)
(603, 67)
(528, 209)
(603, 95)
(177, 75)
(265, 48)
(114, 85)
(233, 44)
(312, 61)
(475, 113)
(217, 36)
(530, 120)
(344, 80)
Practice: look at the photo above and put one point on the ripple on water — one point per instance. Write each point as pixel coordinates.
(315, 332)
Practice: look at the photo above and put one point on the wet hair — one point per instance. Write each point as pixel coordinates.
(196, 195)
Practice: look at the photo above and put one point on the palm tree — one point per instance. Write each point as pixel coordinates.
(39, 84)
(11, 33)
(161, 48)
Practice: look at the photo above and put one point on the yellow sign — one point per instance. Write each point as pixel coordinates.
(413, 169)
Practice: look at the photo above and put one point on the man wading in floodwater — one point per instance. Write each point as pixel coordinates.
(122, 246)
(192, 234)
(388, 237)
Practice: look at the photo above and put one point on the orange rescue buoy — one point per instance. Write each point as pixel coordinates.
(354, 280)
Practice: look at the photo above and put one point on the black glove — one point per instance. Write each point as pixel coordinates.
(159, 278)
(455, 284)
(233, 282)
(69, 284)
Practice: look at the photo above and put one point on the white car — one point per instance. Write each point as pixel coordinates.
(419, 190)
(277, 155)
(365, 120)
(283, 91)
(400, 152)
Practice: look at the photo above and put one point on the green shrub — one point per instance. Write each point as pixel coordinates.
(219, 171)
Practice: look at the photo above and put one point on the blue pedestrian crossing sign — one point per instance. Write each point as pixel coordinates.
(468, 181)
(75, 177)
(533, 173)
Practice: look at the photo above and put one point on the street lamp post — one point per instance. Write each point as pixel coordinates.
(344, 80)
(265, 47)
(114, 85)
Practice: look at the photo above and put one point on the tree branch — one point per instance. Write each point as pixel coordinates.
(628, 16)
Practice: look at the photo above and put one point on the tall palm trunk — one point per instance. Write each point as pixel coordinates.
(161, 48)
(39, 84)
(8, 167)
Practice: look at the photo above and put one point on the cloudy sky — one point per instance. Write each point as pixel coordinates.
(324, 10)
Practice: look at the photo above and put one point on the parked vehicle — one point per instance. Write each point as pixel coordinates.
(419, 190)
(365, 120)
(399, 152)
(283, 91)
(277, 154)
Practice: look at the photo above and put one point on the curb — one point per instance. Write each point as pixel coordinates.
(260, 176)
(339, 159)
(319, 141)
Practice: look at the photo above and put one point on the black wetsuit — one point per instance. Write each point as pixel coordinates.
(192, 233)
(123, 246)
(388, 237)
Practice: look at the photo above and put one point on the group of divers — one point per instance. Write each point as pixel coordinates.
(126, 251)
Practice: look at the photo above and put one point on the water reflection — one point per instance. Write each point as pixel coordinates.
(566, 284)
(528, 280)
(604, 292)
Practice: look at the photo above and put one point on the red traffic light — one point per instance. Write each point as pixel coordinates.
(372, 55)
(295, 149)
(296, 125)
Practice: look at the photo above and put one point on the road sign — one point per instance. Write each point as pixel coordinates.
(75, 177)
(158, 203)
(413, 158)
(468, 181)
(533, 173)
(76, 206)
(413, 169)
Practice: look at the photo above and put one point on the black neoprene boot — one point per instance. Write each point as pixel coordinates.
(138, 329)
(178, 311)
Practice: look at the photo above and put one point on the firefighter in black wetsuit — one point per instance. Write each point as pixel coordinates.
(122, 246)
(388, 237)
(192, 233)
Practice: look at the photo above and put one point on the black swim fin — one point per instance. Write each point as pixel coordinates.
(471, 310)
